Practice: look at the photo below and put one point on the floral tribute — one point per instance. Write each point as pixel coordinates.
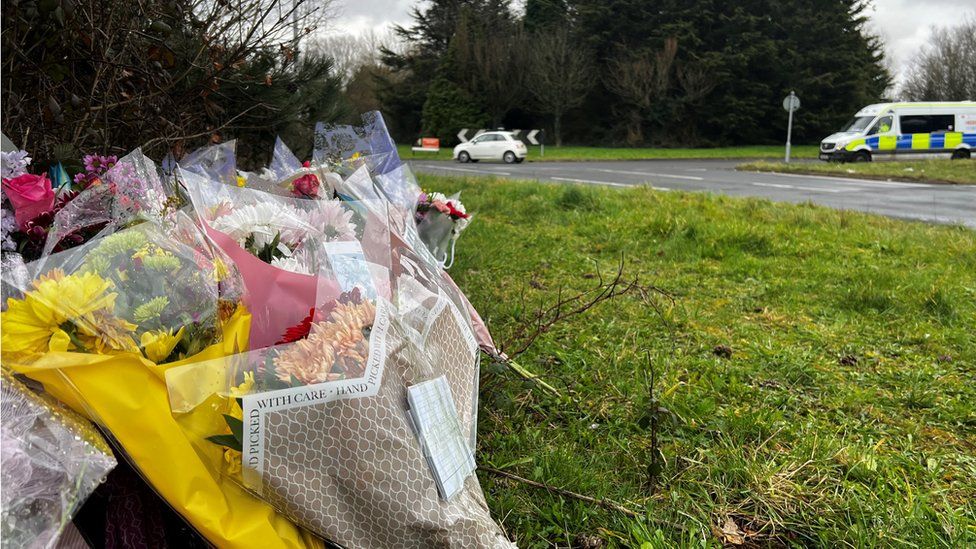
(297, 304)
(440, 221)
(30, 202)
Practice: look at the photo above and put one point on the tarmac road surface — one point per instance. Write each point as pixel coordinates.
(929, 202)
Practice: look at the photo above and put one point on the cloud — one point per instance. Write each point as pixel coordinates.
(357, 16)
(906, 25)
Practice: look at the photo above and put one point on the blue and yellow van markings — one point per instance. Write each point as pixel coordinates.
(914, 141)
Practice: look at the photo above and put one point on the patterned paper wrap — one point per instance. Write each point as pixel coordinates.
(332, 447)
(52, 461)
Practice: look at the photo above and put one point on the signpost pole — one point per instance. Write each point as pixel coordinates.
(789, 135)
(790, 104)
(542, 144)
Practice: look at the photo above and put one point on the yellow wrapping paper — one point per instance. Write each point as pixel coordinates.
(128, 395)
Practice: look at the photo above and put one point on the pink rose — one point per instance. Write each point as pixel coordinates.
(441, 207)
(31, 195)
(306, 186)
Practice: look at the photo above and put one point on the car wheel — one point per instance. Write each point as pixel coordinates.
(519, 160)
(862, 156)
(464, 157)
(509, 157)
(960, 154)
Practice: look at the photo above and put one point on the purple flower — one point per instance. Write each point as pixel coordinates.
(95, 167)
(8, 222)
(14, 163)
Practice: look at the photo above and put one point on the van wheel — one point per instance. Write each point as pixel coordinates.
(464, 157)
(509, 157)
(862, 156)
(960, 154)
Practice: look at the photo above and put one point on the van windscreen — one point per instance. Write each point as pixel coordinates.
(857, 124)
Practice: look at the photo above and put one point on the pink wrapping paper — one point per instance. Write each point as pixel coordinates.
(277, 299)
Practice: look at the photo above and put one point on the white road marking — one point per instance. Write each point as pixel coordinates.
(651, 174)
(468, 170)
(813, 189)
(611, 183)
(866, 182)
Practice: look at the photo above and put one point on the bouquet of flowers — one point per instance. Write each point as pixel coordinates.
(283, 246)
(440, 221)
(98, 324)
(318, 424)
(31, 202)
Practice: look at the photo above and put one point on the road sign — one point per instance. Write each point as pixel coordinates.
(791, 102)
(531, 137)
(515, 133)
(463, 135)
(790, 105)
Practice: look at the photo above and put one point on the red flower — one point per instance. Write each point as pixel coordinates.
(298, 331)
(456, 213)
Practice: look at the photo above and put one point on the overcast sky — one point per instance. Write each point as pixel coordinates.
(903, 24)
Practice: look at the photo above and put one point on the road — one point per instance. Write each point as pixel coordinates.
(918, 201)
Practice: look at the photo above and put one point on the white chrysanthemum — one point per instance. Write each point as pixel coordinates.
(263, 221)
(333, 220)
(436, 197)
(458, 206)
(13, 163)
(298, 262)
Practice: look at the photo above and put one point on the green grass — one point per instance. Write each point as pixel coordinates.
(845, 416)
(938, 171)
(611, 153)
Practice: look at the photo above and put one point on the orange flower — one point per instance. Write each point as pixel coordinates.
(334, 349)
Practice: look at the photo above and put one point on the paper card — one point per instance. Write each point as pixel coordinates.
(435, 418)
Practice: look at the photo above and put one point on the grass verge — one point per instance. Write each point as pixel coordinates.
(610, 153)
(816, 366)
(934, 171)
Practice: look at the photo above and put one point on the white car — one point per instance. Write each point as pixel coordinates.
(491, 146)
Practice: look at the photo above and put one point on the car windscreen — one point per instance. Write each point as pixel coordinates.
(857, 124)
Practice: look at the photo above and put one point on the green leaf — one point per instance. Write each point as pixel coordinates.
(236, 427)
(227, 441)
(295, 382)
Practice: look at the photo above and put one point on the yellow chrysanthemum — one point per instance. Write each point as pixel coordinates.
(245, 387)
(158, 344)
(29, 324)
(241, 181)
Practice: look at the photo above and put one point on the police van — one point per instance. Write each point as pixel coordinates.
(905, 131)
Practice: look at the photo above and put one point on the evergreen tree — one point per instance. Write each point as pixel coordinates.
(545, 14)
(404, 91)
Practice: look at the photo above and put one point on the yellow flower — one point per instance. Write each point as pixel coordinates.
(241, 181)
(158, 344)
(221, 270)
(29, 324)
(244, 388)
(60, 341)
(141, 253)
